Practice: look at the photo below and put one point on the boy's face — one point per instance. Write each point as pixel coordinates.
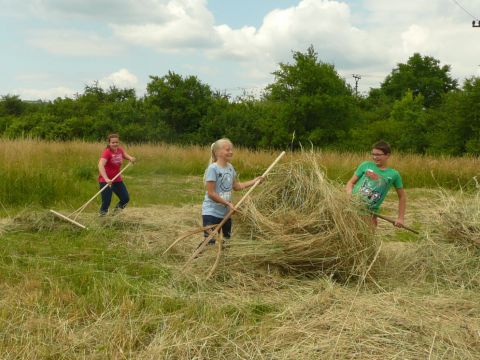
(379, 157)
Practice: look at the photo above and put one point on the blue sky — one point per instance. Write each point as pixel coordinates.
(54, 48)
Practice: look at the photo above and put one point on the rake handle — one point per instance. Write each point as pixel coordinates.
(229, 214)
(392, 221)
(81, 208)
(258, 182)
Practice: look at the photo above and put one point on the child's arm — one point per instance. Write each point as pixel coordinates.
(212, 194)
(103, 172)
(128, 157)
(351, 183)
(402, 204)
(245, 185)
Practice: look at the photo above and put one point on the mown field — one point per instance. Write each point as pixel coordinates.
(111, 292)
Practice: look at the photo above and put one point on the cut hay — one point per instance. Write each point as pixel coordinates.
(304, 223)
(6, 225)
(458, 219)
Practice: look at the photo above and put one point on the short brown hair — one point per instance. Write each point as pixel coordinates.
(112, 136)
(382, 145)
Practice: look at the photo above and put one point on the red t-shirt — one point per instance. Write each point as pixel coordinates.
(113, 164)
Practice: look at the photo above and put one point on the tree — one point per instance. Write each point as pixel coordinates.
(421, 75)
(181, 103)
(11, 105)
(455, 125)
(408, 121)
(316, 102)
(236, 120)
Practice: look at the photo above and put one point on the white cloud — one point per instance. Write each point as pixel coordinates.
(73, 43)
(416, 39)
(45, 94)
(121, 79)
(189, 25)
(390, 33)
(29, 77)
(327, 25)
(367, 37)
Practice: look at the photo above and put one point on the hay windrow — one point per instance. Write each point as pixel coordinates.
(304, 223)
(458, 219)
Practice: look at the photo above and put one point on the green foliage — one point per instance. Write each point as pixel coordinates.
(182, 103)
(455, 127)
(237, 120)
(408, 124)
(11, 105)
(319, 105)
(418, 108)
(421, 75)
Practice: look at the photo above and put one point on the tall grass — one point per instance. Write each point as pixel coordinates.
(34, 172)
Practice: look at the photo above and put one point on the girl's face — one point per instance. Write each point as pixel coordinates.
(113, 144)
(225, 152)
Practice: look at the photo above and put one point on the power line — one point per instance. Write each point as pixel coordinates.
(466, 11)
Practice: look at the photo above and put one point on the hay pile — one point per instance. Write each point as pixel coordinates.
(458, 219)
(302, 222)
(6, 225)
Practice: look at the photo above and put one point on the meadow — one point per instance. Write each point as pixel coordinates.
(111, 293)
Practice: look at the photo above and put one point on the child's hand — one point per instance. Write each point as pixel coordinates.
(231, 206)
(399, 223)
(132, 160)
(259, 179)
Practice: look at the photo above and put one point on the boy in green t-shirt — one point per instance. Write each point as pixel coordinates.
(372, 180)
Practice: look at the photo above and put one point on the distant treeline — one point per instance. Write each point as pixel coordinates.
(418, 108)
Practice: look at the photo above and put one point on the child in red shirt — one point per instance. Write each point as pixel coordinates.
(109, 166)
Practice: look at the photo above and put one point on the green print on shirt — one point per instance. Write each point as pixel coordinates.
(373, 187)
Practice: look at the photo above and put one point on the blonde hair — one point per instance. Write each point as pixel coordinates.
(213, 149)
(216, 146)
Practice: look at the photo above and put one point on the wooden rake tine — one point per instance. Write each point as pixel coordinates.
(229, 214)
(217, 259)
(184, 236)
(204, 243)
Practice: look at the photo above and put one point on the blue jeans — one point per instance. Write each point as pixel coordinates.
(226, 228)
(120, 190)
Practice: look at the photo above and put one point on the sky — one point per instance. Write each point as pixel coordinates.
(54, 48)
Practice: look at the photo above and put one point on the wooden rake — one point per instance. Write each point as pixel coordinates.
(77, 212)
(214, 230)
(392, 221)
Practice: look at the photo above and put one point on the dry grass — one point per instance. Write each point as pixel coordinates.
(302, 222)
(458, 219)
(421, 302)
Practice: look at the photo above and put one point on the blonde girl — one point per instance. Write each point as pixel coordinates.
(220, 180)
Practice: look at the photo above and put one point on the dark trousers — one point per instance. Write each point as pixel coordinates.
(226, 228)
(120, 190)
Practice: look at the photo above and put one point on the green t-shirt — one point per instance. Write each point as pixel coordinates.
(373, 183)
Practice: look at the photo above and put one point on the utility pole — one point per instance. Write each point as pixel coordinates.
(357, 78)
